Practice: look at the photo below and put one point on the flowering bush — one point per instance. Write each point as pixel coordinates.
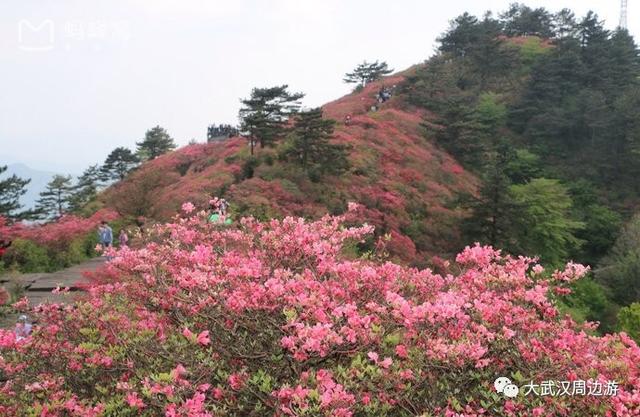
(50, 246)
(272, 318)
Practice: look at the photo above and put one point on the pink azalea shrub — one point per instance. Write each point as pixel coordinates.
(64, 230)
(50, 246)
(274, 319)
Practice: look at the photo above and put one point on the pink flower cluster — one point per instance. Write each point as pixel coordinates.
(279, 318)
(57, 234)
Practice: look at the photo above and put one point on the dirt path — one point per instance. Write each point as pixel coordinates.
(39, 285)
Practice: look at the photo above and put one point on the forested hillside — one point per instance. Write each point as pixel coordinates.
(545, 109)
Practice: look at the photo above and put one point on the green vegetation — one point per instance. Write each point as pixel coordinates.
(545, 109)
(54, 200)
(310, 145)
(156, 142)
(264, 115)
(86, 188)
(367, 72)
(629, 320)
(10, 191)
(118, 164)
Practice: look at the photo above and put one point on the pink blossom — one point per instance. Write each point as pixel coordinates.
(386, 362)
(188, 207)
(401, 350)
(134, 401)
(203, 338)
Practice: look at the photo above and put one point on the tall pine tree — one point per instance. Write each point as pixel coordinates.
(86, 188)
(118, 164)
(311, 148)
(264, 115)
(11, 189)
(156, 142)
(367, 72)
(54, 200)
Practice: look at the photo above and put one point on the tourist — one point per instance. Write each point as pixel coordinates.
(23, 327)
(105, 234)
(123, 238)
(218, 209)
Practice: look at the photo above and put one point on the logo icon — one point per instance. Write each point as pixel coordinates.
(504, 386)
(32, 37)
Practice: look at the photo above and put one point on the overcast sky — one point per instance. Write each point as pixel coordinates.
(78, 78)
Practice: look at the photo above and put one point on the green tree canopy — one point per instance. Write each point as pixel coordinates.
(629, 320)
(86, 188)
(156, 142)
(311, 147)
(620, 269)
(493, 210)
(118, 164)
(521, 20)
(544, 225)
(367, 72)
(11, 189)
(54, 200)
(264, 115)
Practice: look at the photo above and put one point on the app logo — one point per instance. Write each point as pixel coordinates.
(36, 37)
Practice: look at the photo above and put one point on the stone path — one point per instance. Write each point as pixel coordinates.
(39, 285)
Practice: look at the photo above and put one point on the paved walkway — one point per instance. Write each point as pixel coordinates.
(39, 285)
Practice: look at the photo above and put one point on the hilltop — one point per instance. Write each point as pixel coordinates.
(404, 181)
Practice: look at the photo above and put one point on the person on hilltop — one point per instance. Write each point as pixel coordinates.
(123, 238)
(218, 209)
(23, 327)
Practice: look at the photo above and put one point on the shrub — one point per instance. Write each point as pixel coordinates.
(29, 256)
(629, 320)
(249, 166)
(272, 319)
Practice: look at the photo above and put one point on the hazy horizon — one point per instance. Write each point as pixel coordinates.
(115, 69)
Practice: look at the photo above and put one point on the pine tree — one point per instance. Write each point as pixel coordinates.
(564, 23)
(156, 142)
(264, 115)
(367, 72)
(86, 188)
(521, 20)
(624, 61)
(11, 189)
(54, 200)
(118, 164)
(493, 210)
(311, 147)
(463, 33)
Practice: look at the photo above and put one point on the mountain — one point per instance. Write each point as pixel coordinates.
(404, 181)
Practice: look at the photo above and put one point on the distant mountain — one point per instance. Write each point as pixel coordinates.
(39, 180)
